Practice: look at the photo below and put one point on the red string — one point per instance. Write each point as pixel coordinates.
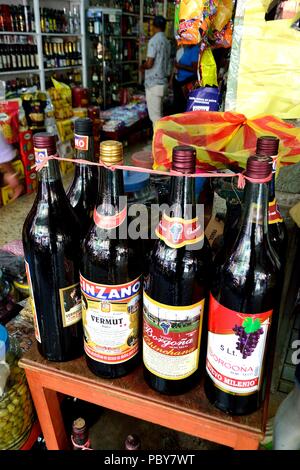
(212, 174)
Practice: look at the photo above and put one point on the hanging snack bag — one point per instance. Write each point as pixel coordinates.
(190, 19)
(9, 124)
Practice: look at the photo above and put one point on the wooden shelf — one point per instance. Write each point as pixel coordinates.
(190, 413)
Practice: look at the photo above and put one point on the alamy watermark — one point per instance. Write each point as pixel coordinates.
(296, 353)
(141, 221)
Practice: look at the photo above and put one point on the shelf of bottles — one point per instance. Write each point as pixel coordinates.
(104, 27)
(37, 39)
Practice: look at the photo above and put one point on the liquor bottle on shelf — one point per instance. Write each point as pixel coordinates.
(176, 287)
(243, 307)
(51, 240)
(82, 193)
(110, 277)
(80, 435)
(269, 145)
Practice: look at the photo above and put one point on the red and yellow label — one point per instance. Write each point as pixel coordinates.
(81, 142)
(171, 338)
(109, 222)
(274, 214)
(110, 317)
(177, 232)
(236, 348)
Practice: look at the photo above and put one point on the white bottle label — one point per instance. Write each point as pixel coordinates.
(236, 348)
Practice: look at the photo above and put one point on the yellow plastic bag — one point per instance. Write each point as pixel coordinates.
(208, 69)
(266, 66)
(190, 19)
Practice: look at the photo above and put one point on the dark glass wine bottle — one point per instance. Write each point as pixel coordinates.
(243, 307)
(51, 240)
(82, 193)
(110, 277)
(269, 145)
(176, 287)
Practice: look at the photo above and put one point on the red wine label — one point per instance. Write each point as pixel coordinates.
(81, 142)
(70, 304)
(171, 338)
(177, 232)
(110, 222)
(274, 214)
(35, 320)
(110, 316)
(236, 348)
(40, 155)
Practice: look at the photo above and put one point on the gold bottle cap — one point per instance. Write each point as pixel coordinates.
(111, 152)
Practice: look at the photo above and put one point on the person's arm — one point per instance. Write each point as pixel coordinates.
(148, 64)
(188, 68)
(151, 54)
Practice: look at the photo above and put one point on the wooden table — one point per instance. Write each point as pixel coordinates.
(190, 413)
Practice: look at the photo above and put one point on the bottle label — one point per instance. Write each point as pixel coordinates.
(35, 320)
(81, 142)
(70, 303)
(274, 214)
(110, 315)
(171, 338)
(40, 155)
(110, 222)
(177, 232)
(236, 348)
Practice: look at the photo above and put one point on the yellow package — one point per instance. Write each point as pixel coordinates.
(65, 130)
(223, 15)
(190, 19)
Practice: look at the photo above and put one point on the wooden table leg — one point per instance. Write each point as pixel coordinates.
(49, 413)
(246, 443)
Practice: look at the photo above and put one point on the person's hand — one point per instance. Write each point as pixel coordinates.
(12, 180)
(176, 65)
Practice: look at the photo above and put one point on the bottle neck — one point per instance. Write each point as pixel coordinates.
(111, 187)
(88, 155)
(50, 172)
(182, 197)
(272, 183)
(254, 218)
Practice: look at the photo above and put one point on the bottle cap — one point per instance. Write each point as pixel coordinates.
(79, 431)
(44, 140)
(258, 167)
(84, 126)
(184, 159)
(111, 152)
(132, 442)
(267, 145)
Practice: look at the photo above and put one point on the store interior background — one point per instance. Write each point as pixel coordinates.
(105, 74)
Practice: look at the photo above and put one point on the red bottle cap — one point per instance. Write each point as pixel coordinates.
(258, 167)
(143, 159)
(44, 140)
(267, 145)
(184, 159)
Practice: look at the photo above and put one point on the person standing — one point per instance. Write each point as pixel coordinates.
(7, 154)
(157, 69)
(186, 65)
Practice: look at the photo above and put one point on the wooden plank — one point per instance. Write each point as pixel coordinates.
(48, 410)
